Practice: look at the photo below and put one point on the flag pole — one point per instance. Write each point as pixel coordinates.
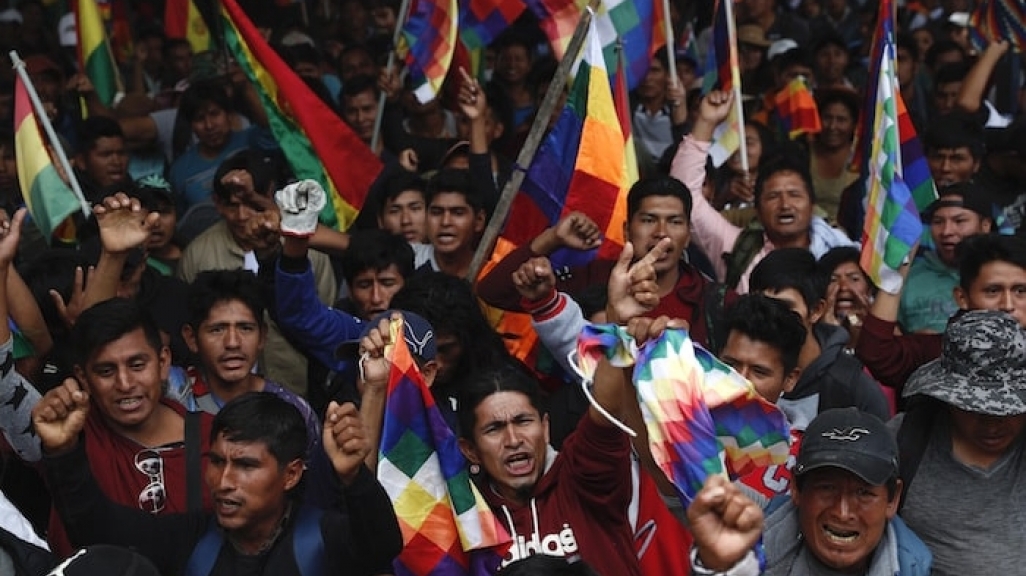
(735, 73)
(19, 67)
(400, 21)
(534, 138)
(671, 53)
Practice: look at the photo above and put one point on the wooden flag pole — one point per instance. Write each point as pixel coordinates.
(400, 21)
(735, 73)
(671, 53)
(534, 138)
(51, 135)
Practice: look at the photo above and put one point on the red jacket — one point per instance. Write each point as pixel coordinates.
(579, 505)
(892, 359)
(113, 457)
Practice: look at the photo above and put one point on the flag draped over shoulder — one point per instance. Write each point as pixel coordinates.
(892, 225)
(724, 73)
(95, 57)
(183, 19)
(448, 528)
(796, 110)
(998, 20)
(632, 23)
(582, 164)
(427, 44)
(481, 21)
(315, 140)
(49, 200)
(702, 417)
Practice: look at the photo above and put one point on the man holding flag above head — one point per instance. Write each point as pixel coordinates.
(784, 201)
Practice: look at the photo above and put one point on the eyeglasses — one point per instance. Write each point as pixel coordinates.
(153, 496)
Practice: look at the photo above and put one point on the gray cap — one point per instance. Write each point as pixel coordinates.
(982, 367)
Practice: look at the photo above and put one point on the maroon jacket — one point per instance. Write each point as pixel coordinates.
(892, 359)
(687, 300)
(579, 505)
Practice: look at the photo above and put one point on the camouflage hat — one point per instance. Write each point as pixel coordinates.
(982, 367)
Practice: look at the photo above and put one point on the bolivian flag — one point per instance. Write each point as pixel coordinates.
(49, 200)
(182, 19)
(315, 140)
(94, 54)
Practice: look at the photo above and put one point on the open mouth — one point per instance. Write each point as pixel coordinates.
(520, 464)
(840, 536)
(786, 219)
(128, 404)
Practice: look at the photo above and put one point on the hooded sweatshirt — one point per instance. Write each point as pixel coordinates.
(579, 506)
(834, 379)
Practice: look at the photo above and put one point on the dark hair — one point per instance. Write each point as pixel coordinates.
(398, 182)
(449, 305)
(211, 287)
(977, 251)
(907, 42)
(545, 565)
(657, 186)
(830, 39)
(771, 321)
(358, 85)
(941, 46)
(267, 172)
(298, 53)
(200, 94)
(108, 321)
(171, 43)
(838, 255)
(265, 418)
(456, 180)
(955, 130)
(784, 163)
(793, 57)
(954, 72)
(793, 268)
(846, 98)
(93, 128)
(376, 250)
(501, 377)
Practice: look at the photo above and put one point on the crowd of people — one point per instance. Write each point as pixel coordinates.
(193, 378)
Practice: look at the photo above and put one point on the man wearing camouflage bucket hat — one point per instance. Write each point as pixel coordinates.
(961, 445)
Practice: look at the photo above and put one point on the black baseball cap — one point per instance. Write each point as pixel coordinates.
(852, 440)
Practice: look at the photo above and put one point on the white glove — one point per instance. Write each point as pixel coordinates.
(300, 204)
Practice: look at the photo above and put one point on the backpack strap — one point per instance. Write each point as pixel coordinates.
(308, 541)
(28, 558)
(748, 244)
(204, 554)
(193, 468)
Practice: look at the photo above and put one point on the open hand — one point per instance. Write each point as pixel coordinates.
(124, 224)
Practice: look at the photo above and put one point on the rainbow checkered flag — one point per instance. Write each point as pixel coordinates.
(448, 528)
(723, 72)
(892, 225)
(996, 20)
(702, 417)
(427, 44)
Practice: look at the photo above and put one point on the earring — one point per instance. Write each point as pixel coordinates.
(475, 469)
